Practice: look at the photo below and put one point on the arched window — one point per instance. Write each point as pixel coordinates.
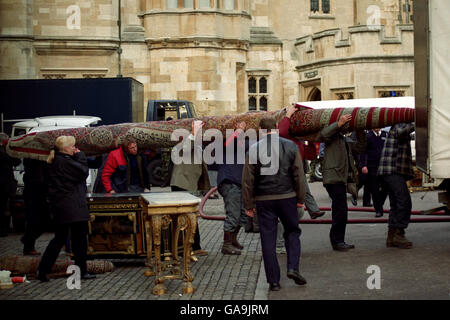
(263, 104)
(252, 85)
(326, 6)
(322, 6)
(252, 103)
(263, 85)
(258, 92)
(314, 5)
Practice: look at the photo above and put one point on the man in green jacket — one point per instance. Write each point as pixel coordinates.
(338, 170)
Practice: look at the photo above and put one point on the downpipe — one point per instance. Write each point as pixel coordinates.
(329, 221)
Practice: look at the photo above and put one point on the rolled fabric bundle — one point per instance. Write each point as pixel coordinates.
(307, 122)
(26, 265)
(102, 139)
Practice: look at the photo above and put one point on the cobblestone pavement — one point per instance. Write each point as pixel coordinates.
(216, 276)
(419, 273)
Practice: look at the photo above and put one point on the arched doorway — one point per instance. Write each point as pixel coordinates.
(315, 95)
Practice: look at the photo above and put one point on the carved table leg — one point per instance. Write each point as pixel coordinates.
(149, 272)
(177, 225)
(189, 240)
(159, 288)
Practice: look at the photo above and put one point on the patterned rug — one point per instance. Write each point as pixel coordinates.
(305, 123)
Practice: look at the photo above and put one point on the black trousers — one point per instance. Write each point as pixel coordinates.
(339, 211)
(268, 212)
(78, 234)
(4, 219)
(379, 193)
(400, 201)
(37, 215)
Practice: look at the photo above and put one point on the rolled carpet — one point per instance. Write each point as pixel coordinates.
(27, 265)
(305, 123)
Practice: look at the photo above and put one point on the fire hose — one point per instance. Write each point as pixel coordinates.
(329, 221)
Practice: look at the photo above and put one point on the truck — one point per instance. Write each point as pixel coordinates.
(432, 74)
(114, 100)
(165, 110)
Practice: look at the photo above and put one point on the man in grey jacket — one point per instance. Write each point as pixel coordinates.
(338, 170)
(275, 195)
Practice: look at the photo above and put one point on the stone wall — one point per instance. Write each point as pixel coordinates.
(207, 54)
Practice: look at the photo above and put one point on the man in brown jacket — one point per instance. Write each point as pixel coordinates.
(275, 192)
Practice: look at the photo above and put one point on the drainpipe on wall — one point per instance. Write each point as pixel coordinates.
(119, 50)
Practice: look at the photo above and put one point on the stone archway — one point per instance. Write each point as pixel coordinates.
(315, 95)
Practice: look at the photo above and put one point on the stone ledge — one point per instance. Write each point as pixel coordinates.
(197, 42)
(353, 60)
(339, 41)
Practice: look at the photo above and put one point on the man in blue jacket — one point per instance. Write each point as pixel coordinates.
(229, 185)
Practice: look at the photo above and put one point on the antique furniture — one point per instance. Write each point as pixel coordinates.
(161, 212)
(116, 226)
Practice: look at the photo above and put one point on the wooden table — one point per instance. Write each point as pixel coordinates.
(160, 210)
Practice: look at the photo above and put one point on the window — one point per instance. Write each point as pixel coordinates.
(257, 93)
(183, 111)
(321, 6)
(172, 4)
(229, 4)
(391, 93)
(252, 85)
(205, 4)
(189, 4)
(263, 103)
(252, 103)
(326, 6)
(314, 5)
(54, 76)
(263, 85)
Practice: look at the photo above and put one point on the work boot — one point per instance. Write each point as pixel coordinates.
(400, 241)
(390, 237)
(234, 240)
(227, 247)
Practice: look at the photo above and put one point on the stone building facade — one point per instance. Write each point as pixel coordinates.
(227, 56)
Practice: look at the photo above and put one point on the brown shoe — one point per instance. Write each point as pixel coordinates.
(315, 215)
(390, 237)
(400, 241)
(200, 252)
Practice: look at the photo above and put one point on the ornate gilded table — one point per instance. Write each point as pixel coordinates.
(162, 210)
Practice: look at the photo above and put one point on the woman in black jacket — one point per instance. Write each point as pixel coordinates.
(67, 197)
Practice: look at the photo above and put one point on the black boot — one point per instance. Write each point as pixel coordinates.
(227, 247)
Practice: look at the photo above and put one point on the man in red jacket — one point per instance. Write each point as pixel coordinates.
(283, 127)
(125, 170)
